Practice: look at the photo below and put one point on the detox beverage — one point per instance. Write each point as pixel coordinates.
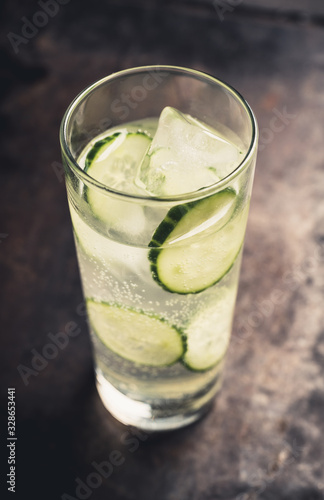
(160, 284)
(159, 219)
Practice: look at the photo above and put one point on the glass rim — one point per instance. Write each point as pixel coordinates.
(191, 195)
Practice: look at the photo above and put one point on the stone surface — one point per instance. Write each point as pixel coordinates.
(263, 438)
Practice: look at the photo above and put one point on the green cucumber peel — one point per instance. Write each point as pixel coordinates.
(175, 227)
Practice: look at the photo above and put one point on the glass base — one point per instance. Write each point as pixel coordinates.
(160, 415)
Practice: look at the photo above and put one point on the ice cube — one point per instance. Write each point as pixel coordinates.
(185, 155)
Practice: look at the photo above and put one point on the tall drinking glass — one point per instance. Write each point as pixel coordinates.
(159, 164)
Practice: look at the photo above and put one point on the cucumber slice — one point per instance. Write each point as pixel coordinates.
(134, 335)
(113, 161)
(197, 243)
(208, 336)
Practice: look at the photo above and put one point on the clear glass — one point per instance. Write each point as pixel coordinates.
(115, 259)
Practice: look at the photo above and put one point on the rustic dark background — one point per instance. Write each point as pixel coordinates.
(264, 437)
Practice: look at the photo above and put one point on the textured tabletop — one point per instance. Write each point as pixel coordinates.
(263, 439)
